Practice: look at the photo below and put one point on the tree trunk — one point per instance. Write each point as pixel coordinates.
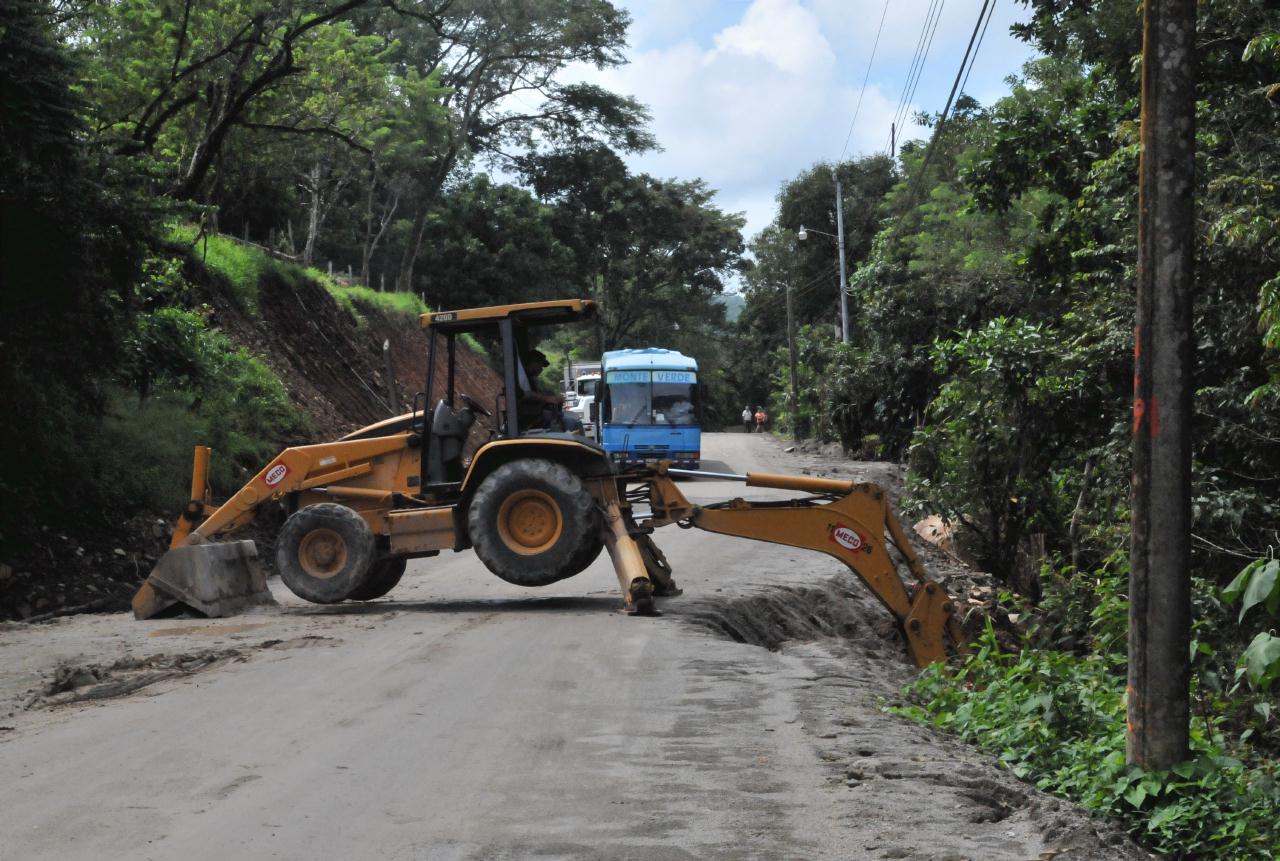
(313, 184)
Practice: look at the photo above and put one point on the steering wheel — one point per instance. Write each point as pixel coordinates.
(473, 405)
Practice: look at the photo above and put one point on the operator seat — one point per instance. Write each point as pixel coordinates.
(449, 429)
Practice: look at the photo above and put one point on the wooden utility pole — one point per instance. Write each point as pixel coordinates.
(1160, 553)
(791, 353)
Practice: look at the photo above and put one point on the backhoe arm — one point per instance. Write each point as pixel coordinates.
(856, 528)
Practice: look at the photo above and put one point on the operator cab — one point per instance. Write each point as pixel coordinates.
(444, 436)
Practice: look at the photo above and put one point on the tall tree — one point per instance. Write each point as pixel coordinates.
(69, 249)
(495, 55)
(653, 252)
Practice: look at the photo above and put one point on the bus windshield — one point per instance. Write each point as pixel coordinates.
(653, 397)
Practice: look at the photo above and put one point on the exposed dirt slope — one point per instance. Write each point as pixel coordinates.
(332, 364)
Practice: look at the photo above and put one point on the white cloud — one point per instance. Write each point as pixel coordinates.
(781, 32)
(770, 87)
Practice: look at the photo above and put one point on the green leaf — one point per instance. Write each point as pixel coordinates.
(1136, 795)
(1236, 587)
(1262, 660)
(1164, 815)
(1262, 588)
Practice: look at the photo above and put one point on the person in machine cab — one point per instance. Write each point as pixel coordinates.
(539, 409)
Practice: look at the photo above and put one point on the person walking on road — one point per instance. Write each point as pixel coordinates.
(748, 419)
(761, 418)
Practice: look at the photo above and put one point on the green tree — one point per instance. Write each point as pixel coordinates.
(492, 244)
(70, 244)
(651, 251)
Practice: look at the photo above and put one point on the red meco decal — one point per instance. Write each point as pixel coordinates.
(846, 537)
(276, 474)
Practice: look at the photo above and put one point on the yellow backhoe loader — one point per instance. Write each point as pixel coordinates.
(536, 505)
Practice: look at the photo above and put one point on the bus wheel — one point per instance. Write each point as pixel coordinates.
(529, 520)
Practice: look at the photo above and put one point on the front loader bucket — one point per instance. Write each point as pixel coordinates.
(217, 579)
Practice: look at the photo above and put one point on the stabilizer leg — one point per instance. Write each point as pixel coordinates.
(655, 562)
(628, 561)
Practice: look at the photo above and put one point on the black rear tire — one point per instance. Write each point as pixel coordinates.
(592, 545)
(383, 577)
(325, 552)
(530, 522)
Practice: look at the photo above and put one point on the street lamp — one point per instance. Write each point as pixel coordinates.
(803, 234)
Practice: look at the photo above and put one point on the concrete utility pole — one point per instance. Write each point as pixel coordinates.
(791, 353)
(844, 281)
(1160, 553)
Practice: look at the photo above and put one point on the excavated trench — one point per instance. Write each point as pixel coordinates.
(839, 609)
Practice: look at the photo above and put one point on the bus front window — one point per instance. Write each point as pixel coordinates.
(673, 397)
(629, 397)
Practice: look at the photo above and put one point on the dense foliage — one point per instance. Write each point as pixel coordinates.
(993, 300)
(1057, 720)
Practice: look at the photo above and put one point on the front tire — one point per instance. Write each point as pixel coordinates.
(325, 553)
(530, 520)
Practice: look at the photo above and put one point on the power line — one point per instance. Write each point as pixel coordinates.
(932, 16)
(811, 284)
(915, 58)
(906, 107)
(962, 72)
(981, 36)
(865, 78)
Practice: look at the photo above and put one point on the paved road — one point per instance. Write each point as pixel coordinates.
(471, 719)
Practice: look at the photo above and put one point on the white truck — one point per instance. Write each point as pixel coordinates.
(580, 379)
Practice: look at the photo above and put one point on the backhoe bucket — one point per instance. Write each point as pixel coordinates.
(217, 579)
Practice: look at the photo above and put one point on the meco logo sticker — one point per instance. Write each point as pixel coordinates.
(846, 538)
(276, 474)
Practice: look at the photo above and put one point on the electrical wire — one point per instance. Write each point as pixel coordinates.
(932, 16)
(915, 58)
(961, 73)
(768, 303)
(857, 108)
(906, 108)
(981, 36)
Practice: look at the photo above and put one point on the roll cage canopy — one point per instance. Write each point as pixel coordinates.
(550, 313)
(510, 323)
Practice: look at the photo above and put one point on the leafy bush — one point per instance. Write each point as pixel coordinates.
(1258, 585)
(241, 265)
(1058, 720)
(997, 429)
(189, 385)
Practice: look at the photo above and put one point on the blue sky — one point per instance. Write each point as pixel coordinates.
(747, 93)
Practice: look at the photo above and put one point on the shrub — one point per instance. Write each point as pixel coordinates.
(1058, 720)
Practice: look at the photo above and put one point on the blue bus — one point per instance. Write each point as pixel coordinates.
(650, 407)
